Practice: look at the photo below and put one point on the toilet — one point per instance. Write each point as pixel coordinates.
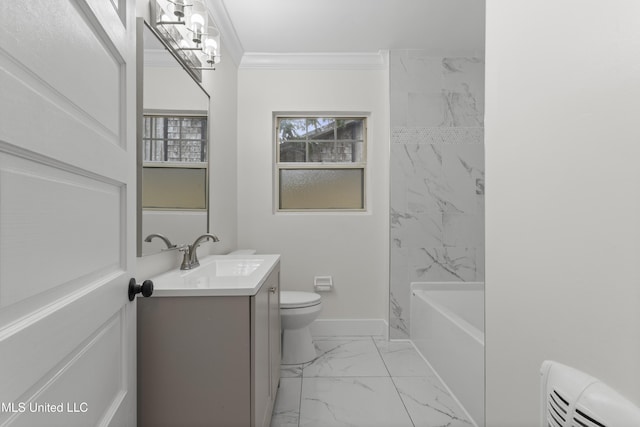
(297, 311)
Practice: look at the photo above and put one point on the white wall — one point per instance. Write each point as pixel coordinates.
(563, 198)
(353, 248)
(222, 85)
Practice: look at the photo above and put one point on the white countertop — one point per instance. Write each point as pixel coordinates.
(217, 275)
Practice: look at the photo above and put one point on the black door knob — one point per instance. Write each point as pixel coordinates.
(146, 289)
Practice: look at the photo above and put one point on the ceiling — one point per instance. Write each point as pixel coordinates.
(351, 26)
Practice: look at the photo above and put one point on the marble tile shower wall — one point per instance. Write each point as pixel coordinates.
(437, 175)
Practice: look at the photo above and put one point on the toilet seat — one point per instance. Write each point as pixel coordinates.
(294, 299)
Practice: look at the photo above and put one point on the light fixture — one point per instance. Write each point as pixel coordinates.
(188, 31)
(197, 21)
(211, 46)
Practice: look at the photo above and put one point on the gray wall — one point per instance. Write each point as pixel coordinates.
(437, 174)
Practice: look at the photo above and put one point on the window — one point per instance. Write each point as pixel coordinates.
(174, 173)
(320, 163)
(175, 138)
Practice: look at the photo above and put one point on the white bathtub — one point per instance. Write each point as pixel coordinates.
(447, 327)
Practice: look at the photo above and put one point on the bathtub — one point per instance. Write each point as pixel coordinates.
(447, 327)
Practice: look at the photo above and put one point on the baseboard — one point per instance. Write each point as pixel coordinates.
(349, 327)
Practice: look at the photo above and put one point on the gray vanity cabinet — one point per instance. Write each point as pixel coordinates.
(209, 360)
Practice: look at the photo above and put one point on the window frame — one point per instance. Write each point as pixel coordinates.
(362, 165)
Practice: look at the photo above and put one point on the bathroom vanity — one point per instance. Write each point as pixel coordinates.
(209, 344)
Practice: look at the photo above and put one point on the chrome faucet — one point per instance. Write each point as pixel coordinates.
(160, 236)
(190, 259)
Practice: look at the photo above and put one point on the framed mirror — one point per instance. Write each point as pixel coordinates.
(173, 149)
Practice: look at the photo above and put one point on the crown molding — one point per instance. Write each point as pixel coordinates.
(315, 61)
(229, 39)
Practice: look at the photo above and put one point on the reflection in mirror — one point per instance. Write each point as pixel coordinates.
(172, 149)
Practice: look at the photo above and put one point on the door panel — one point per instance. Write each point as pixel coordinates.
(36, 345)
(39, 226)
(64, 45)
(67, 212)
(44, 119)
(76, 375)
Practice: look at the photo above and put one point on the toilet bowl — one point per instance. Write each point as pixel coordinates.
(297, 311)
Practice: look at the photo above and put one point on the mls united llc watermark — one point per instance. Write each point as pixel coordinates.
(46, 407)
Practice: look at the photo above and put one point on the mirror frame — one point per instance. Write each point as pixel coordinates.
(141, 25)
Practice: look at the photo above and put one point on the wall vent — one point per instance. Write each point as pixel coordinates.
(571, 398)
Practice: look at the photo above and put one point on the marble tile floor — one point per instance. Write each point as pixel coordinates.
(364, 382)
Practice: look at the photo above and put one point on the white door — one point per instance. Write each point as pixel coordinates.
(67, 220)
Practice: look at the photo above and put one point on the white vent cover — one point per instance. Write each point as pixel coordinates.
(571, 398)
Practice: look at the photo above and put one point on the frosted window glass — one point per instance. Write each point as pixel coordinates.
(321, 189)
(174, 188)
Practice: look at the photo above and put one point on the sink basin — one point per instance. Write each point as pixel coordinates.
(236, 267)
(218, 275)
